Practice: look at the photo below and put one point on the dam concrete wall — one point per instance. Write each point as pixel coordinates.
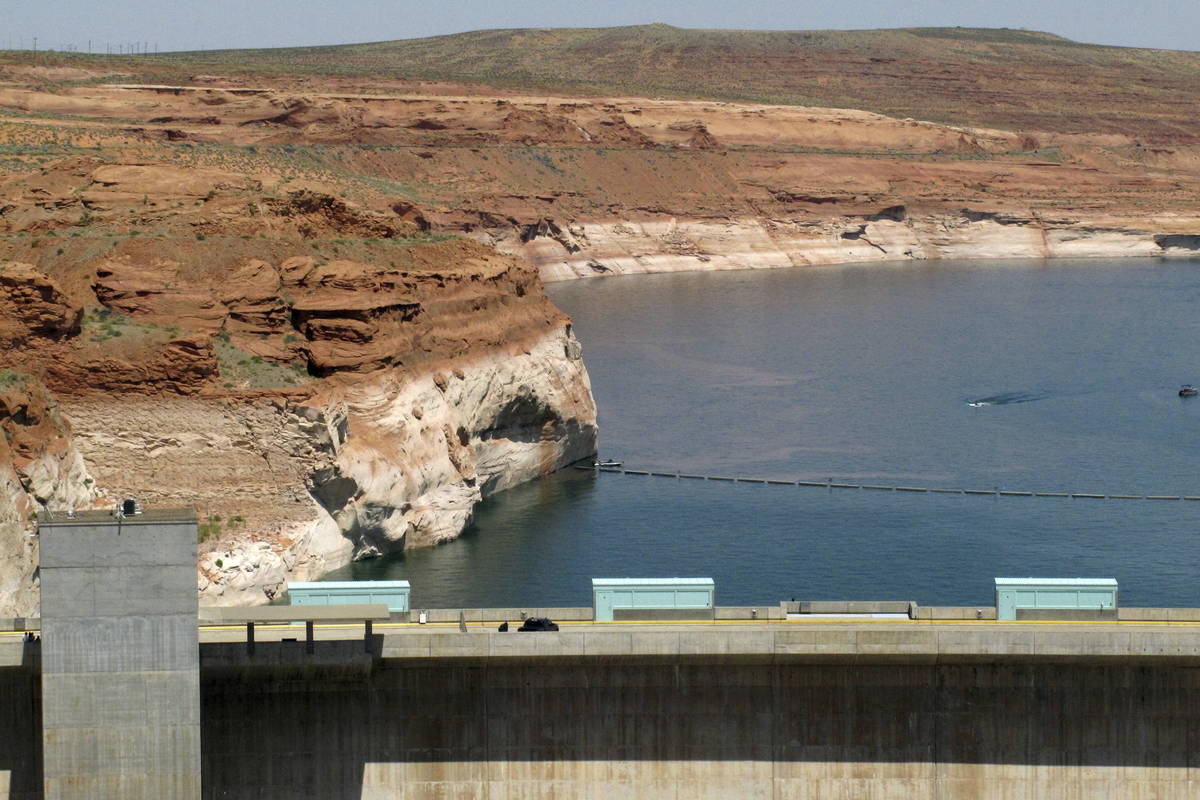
(703, 725)
(776, 710)
(119, 656)
(20, 726)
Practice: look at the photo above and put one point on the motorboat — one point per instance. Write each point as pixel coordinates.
(1187, 390)
(597, 463)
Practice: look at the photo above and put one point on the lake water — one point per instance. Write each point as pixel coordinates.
(862, 374)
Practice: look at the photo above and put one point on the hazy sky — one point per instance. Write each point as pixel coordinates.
(202, 24)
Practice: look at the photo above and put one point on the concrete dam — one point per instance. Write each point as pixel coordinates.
(754, 703)
(846, 710)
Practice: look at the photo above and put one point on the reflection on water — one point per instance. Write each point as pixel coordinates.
(510, 536)
(862, 374)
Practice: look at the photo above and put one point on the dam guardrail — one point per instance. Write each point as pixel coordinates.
(830, 485)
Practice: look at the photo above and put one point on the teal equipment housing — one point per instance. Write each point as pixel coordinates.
(652, 598)
(1056, 598)
(393, 594)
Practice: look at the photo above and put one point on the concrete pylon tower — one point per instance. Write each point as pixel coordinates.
(120, 656)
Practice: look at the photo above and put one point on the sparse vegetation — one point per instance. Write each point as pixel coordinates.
(209, 528)
(11, 379)
(241, 370)
(102, 327)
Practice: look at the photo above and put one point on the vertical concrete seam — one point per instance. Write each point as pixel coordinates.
(487, 727)
(776, 718)
(937, 712)
(1189, 737)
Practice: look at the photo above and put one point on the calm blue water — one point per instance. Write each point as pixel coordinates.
(863, 375)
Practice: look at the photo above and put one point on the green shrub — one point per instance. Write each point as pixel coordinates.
(10, 379)
(209, 528)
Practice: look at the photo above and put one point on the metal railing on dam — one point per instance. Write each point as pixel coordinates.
(829, 484)
(302, 626)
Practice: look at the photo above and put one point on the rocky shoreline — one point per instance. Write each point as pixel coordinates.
(307, 485)
(404, 460)
(628, 247)
(406, 395)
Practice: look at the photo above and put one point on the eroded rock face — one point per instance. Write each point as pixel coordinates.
(32, 306)
(184, 365)
(341, 315)
(40, 448)
(417, 385)
(291, 488)
(18, 549)
(316, 213)
(463, 433)
(155, 293)
(624, 247)
(241, 462)
(39, 468)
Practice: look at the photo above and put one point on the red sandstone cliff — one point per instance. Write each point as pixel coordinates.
(317, 315)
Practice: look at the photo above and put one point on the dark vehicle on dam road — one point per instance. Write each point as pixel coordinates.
(538, 624)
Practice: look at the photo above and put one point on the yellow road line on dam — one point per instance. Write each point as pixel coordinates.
(838, 621)
(379, 626)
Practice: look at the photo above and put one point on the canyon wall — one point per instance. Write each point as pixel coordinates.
(39, 468)
(291, 488)
(316, 314)
(313, 412)
(627, 247)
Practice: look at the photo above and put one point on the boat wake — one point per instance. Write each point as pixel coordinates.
(1007, 398)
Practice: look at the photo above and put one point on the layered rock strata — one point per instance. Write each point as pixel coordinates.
(257, 300)
(624, 247)
(305, 485)
(312, 412)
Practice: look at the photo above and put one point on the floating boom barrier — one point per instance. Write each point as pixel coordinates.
(830, 485)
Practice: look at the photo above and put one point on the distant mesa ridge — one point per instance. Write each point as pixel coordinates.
(1007, 78)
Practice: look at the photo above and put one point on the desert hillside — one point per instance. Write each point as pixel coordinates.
(961, 76)
(302, 290)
